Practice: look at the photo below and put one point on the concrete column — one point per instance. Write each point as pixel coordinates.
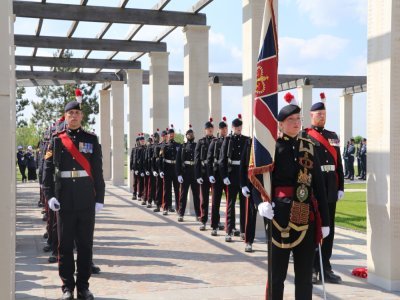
(304, 97)
(383, 126)
(135, 112)
(117, 132)
(105, 137)
(158, 90)
(346, 119)
(7, 136)
(251, 31)
(195, 77)
(215, 101)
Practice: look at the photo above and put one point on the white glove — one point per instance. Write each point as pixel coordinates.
(325, 231)
(200, 180)
(162, 174)
(147, 173)
(227, 181)
(180, 179)
(54, 205)
(246, 191)
(136, 172)
(155, 174)
(340, 195)
(142, 174)
(265, 209)
(212, 179)
(99, 207)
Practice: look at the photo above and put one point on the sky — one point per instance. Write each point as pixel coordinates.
(319, 37)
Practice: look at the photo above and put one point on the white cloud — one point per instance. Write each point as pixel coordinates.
(332, 12)
(326, 47)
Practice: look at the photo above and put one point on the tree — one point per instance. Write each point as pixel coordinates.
(27, 135)
(20, 106)
(54, 99)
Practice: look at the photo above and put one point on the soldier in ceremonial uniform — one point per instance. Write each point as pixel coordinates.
(156, 170)
(214, 176)
(186, 174)
(229, 163)
(168, 172)
(327, 148)
(351, 149)
(140, 168)
(251, 209)
(363, 158)
(79, 189)
(200, 160)
(296, 215)
(132, 168)
(151, 179)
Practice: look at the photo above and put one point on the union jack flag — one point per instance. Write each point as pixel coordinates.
(265, 124)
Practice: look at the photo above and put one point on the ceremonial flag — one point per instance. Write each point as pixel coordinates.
(265, 124)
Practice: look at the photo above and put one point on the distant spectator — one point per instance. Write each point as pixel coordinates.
(346, 159)
(351, 149)
(363, 158)
(31, 164)
(21, 162)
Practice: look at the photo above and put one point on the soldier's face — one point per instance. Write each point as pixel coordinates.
(318, 118)
(171, 136)
(291, 125)
(73, 118)
(190, 136)
(209, 131)
(237, 130)
(142, 142)
(223, 131)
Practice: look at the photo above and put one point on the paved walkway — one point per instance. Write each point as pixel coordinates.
(144, 255)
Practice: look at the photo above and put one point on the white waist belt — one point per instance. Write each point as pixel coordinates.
(189, 162)
(327, 168)
(73, 174)
(235, 162)
(169, 161)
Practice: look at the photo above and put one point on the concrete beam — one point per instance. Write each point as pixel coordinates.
(106, 14)
(76, 62)
(93, 77)
(85, 44)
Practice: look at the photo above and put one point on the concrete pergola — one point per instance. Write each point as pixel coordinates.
(199, 85)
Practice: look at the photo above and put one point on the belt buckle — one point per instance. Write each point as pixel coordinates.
(74, 174)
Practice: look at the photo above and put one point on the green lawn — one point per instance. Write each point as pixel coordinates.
(351, 211)
(355, 186)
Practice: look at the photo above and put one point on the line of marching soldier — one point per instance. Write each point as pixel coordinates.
(209, 167)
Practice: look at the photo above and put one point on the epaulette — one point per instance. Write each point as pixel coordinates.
(58, 132)
(305, 137)
(88, 132)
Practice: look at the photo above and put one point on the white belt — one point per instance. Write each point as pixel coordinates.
(73, 174)
(235, 162)
(203, 163)
(189, 162)
(168, 161)
(327, 168)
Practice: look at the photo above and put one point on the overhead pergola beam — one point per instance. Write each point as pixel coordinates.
(287, 82)
(76, 76)
(355, 89)
(76, 63)
(106, 14)
(85, 44)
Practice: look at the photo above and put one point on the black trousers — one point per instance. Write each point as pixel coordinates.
(134, 183)
(216, 197)
(233, 191)
(170, 180)
(78, 226)
(351, 167)
(250, 222)
(189, 180)
(22, 169)
(140, 186)
(364, 166)
(32, 174)
(346, 167)
(327, 245)
(204, 198)
(159, 191)
(52, 233)
(151, 190)
(303, 257)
